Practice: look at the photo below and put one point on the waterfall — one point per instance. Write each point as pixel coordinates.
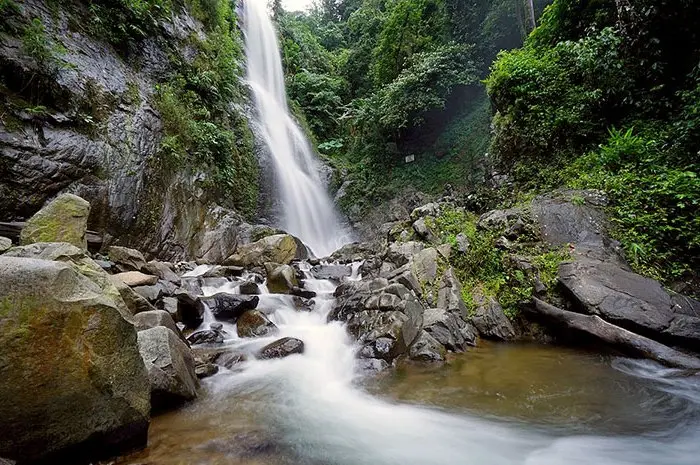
(307, 210)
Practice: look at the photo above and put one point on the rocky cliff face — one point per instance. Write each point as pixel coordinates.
(79, 113)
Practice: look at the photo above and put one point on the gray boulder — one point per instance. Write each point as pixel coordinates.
(126, 259)
(151, 293)
(70, 365)
(255, 324)
(162, 270)
(632, 301)
(229, 306)
(135, 302)
(427, 349)
(190, 309)
(332, 272)
(278, 248)
(170, 367)
(81, 262)
(64, 219)
(384, 318)
(400, 253)
(155, 318)
(420, 226)
(282, 348)
(490, 320)
(449, 329)
(5, 244)
(281, 279)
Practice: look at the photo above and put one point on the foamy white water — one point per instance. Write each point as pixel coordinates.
(316, 408)
(307, 210)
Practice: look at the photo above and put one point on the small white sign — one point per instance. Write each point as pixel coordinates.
(410, 158)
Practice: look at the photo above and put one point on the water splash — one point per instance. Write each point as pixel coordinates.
(307, 210)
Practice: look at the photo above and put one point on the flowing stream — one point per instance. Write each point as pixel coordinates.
(496, 405)
(307, 210)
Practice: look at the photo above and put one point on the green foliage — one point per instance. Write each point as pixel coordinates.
(655, 208)
(202, 132)
(591, 66)
(549, 102)
(122, 22)
(37, 44)
(320, 97)
(487, 270)
(411, 26)
(9, 10)
(424, 85)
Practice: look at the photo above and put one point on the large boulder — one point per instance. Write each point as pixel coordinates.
(70, 365)
(490, 320)
(155, 318)
(632, 301)
(162, 270)
(134, 302)
(64, 219)
(127, 259)
(190, 310)
(279, 248)
(449, 329)
(581, 223)
(332, 272)
(281, 279)
(255, 324)
(81, 262)
(229, 306)
(400, 253)
(170, 366)
(427, 349)
(384, 318)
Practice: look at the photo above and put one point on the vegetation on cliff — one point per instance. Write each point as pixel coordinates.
(380, 80)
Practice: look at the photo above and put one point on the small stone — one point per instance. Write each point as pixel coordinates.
(249, 288)
(282, 348)
(136, 278)
(5, 244)
(205, 370)
(207, 336)
(216, 326)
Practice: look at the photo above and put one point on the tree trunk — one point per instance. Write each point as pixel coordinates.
(618, 338)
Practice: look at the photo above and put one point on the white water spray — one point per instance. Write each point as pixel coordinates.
(307, 209)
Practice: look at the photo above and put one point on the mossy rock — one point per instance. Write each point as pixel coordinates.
(64, 219)
(278, 248)
(74, 383)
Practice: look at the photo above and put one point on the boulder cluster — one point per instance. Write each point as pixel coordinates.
(92, 344)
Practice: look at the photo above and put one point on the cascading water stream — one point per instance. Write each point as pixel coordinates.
(307, 210)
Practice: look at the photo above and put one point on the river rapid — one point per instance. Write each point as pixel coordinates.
(498, 404)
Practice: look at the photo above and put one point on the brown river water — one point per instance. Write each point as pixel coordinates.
(499, 403)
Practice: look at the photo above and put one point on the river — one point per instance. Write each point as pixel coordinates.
(498, 404)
